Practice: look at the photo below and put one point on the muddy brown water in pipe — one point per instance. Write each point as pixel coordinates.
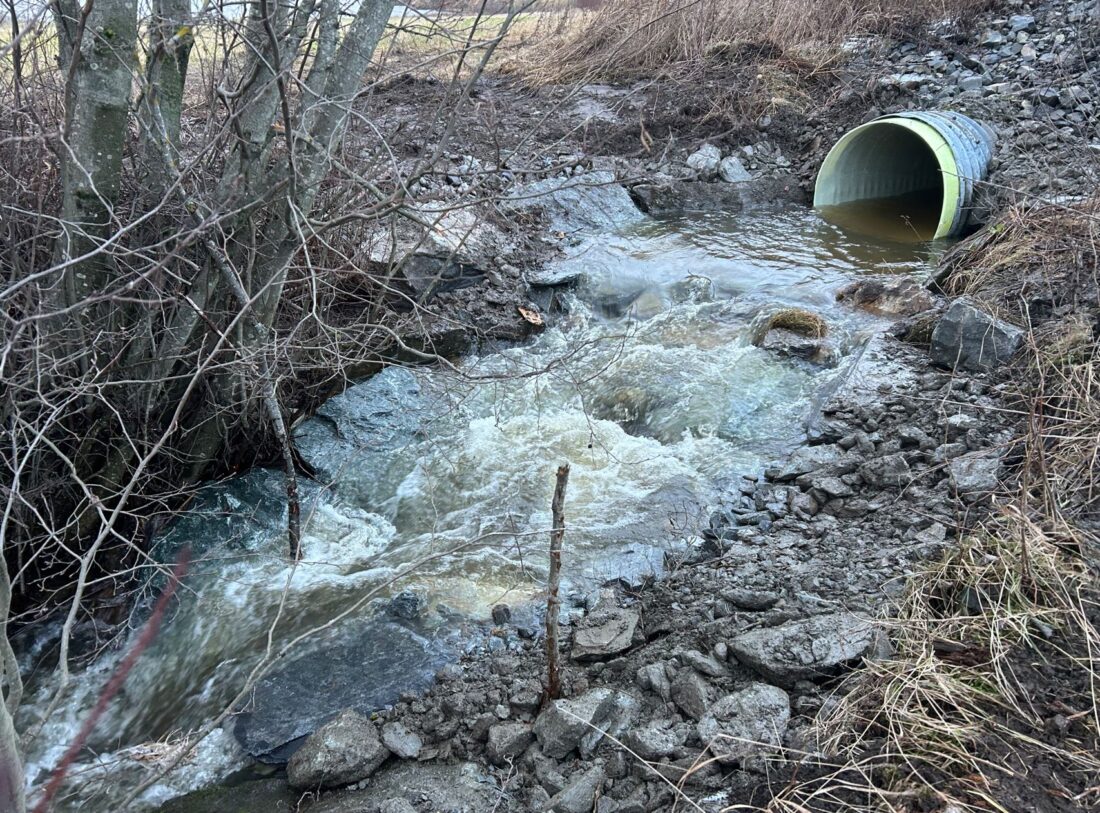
(909, 218)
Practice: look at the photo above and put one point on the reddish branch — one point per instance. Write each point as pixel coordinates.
(148, 633)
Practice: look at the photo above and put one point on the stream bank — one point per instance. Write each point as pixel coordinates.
(772, 603)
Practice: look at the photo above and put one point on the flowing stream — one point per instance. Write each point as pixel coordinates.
(647, 383)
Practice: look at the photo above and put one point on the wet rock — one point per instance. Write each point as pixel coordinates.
(579, 795)
(508, 740)
(604, 632)
(974, 476)
(705, 161)
(366, 668)
(406, 605)
(341, 752)
(653, 740)
(970, 339)
(804, 649)
(745, 722)
(731, 170)
(893, 296)
(689, 693)
(402, 742)
(357, 429)
(889, 471)
(788, 343)
(580, 723)
(502, 614)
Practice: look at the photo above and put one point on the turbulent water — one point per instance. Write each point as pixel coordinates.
(646, 383)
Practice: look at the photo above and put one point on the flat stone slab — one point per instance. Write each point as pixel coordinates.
(604, 633)
(364, 671)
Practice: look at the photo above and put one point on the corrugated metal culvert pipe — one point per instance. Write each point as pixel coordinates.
(917, 169)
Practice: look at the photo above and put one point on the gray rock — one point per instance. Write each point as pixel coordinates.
(508, 740)
(889, 471)
(652, 677)
(689, 693)
(807, 648)
(580, 794)
(396, 805)
(653, 740)
(832, 487)
(971, 83)
(827, 460)
(341, 752)
(604, 632)
(402, 742)
(753, 600)
(587, 202)
(580, 724)
(731, 170)
(705, 161)
(970, 339)
(991, 37)
(703, 664)
(745, 722)
(1021, 22)
(365, 668)
(974, 476)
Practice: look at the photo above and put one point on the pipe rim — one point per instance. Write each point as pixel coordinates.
(950, 210)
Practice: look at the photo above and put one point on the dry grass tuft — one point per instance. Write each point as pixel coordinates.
(796, 320)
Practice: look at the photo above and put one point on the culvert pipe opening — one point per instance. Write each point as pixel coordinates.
(908, 176)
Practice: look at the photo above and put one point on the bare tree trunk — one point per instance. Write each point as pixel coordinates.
(11, 764)
(100, 74)
(165, 77)
(553, 601)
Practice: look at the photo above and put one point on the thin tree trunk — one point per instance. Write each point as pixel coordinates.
(100, 73)
(11, 764)
(166, 76)
(553, 601)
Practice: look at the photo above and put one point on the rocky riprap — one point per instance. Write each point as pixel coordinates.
(735, 653)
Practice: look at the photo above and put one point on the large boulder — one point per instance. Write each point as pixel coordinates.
(808, 648)
(579, 724)
(341, 752)
(365, 669)
(968, 338)
(743, 723)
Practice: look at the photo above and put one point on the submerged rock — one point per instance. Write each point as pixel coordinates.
(808, 648)
(970, 339)
(341, 752)
(745, 722)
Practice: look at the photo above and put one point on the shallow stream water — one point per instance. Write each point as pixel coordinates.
(647, 383)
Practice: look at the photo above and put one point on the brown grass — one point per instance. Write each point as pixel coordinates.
(631, 39)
